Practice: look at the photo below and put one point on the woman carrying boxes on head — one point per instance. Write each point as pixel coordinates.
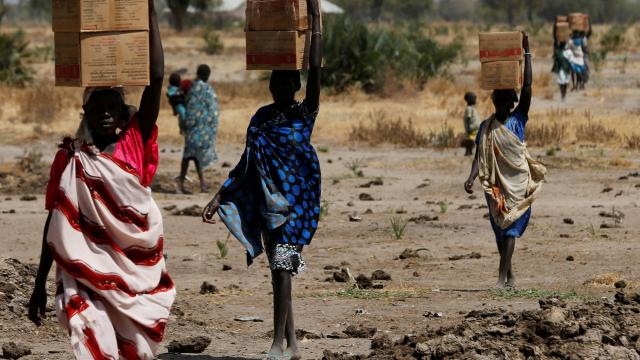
(271, 200)
(509, 176)
(104, 230)
(561, 55)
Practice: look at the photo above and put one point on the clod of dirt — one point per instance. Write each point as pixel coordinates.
(342, 276)
(366, 197)
(28, 198)
(368, 212)
(593, 330)
(12, 350)
(422, 219)
(568, 221)
(433, 315)
(360, 331)
(610, 226)
(410, 254)
(192, 345)
(570, 258)
(16, 281)
(380, 275)
(330, 355)
(301, 334)
(607, 189)
(225, 164)
(376, 182)
(207, 288)
(226, 267)
(350, 204)
(331, 267)
(354, 218)
(564, 236)
(170, 207)
(620, 284)
(364, 282)
(473, 255)
(465, 207)
(416, 274)
(613, 214)
(401, 211)
(193, 210)
(11, 211)
(381, 342)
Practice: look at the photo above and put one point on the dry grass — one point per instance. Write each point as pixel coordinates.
(633, 141)
(594, 132)
(546, 133)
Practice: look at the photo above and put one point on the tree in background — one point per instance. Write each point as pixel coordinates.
(508, 8)
(3, 11)
(394, 10)
(179, 10)
(40, 9)
(456, 10)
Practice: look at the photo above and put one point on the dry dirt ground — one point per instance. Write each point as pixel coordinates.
(564, 253)
(416, 183)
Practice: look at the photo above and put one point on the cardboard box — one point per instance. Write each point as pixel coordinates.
(102, 59)
(278, 50)
(277, 15)
(563, 32)
(498, 75)
(579, 21)
(501, 46)
(561, 18)
(100, 15)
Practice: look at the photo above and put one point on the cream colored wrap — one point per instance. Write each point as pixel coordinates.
(508, 173)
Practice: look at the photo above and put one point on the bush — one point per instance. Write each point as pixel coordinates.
(364, 57)
(213, 44)
(13, 49)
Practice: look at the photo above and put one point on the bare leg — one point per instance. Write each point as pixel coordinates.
(292, 342)
(184, 167)
(281, 305)
(203, 186)
(563, 91)
(502, 279)
(509, 247)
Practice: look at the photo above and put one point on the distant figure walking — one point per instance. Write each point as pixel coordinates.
(200, 128)
(177, 92)
(577, 45)
(471, 123)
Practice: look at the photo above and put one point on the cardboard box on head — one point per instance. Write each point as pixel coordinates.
(579, 22)
(278, 50)
(100, 15)
(102, 59)
(500, 46)
(561, 18)
(277, 15)
(499, 75)
(563, 32)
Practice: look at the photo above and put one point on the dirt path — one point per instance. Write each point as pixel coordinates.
(416, 183)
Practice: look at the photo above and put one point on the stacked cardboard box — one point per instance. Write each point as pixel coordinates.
(501, 56)
(277, 35)
(563, 31)
(101, 43)
(579, 21)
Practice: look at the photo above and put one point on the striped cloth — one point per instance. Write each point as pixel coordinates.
(106, 236)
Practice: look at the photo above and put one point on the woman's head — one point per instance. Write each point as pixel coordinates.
(204, 71)
(470, 98)
(504, 101)
(283, 85)
(174, 79)
(104, 110)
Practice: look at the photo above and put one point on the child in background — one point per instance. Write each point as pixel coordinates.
(178, 98)
(471, 123)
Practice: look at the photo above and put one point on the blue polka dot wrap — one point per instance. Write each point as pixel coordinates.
(276, 184)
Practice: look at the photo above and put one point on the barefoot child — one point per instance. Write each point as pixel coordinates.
(272, 197)
(471, 123)
(104, 230)
(509, 176)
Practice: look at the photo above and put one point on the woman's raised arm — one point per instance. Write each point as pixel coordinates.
(315, 58)
(150, 103)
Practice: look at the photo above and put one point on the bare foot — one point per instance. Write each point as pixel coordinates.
(501, 284)
(276, 353)
(511, 280)
(292, 353)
